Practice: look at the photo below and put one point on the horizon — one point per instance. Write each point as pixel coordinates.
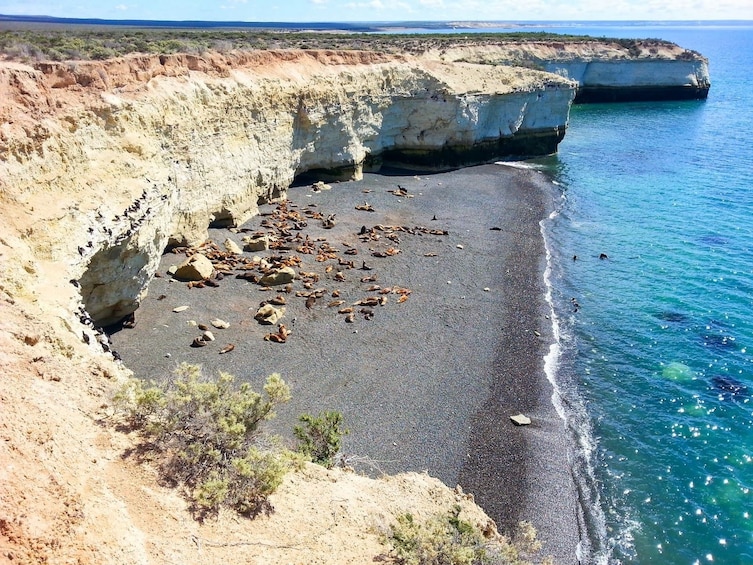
(42, 18)
(384, 11)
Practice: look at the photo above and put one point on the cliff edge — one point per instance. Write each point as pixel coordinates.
(105, 164)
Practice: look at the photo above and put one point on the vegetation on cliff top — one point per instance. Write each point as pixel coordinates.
(205, 436)
(63, 43)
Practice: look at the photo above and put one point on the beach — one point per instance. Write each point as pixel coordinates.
(428, 380)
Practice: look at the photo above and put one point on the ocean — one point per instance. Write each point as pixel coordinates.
(651, 274)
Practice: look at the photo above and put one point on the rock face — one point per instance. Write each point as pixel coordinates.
(148, 151)
(606, 70)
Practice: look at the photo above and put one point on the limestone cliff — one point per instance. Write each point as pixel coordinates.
(149, 151)
(605, 70)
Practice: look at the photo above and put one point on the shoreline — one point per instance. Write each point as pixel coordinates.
(426, 385)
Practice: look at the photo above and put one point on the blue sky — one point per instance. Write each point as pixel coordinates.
(385, 10)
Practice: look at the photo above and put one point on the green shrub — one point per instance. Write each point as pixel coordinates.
(450, 540)
(321, 437)
(205, 434)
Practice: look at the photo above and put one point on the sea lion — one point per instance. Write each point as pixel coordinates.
(729, 388)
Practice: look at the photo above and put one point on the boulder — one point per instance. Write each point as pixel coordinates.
(269, 315)
(520, 420)
(256, 243)
(195, 268)
(232, 247)
(283, 275)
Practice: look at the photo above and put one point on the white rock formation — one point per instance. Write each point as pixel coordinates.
(116, 160)
(608, 69)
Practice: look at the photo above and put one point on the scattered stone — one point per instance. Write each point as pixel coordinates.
(487, 289)
(520, 420)
(198, 342)
(196, 268)
(227, 349)
(256, 243)
(171, 269)
(220, 324)
(269, 315)
(283, 275)
(232, 247)
(459, 246)
(207, 336)
(178, 309)
(320, 185)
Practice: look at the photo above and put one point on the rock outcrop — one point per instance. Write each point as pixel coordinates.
(605, 70)
(150, 151)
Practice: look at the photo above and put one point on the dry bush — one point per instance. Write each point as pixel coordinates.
(205, 435)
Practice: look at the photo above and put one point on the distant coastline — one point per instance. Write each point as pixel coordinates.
(9, 21)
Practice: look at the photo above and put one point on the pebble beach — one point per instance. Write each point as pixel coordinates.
(427, 377)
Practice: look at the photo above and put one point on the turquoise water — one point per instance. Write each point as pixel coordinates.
(657, 362)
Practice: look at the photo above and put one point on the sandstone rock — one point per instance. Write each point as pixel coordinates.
(269, 315)
(520, 420)
(283, 275)
(320, 185)
(220, 324)
(195, 268)
(256, 243)
(232, 247)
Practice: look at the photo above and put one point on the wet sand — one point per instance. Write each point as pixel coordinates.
(428, 384)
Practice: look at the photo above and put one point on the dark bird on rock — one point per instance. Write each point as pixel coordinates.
(130, 320)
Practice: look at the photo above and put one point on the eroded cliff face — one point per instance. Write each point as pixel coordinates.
(150, 152)
(606, 71)
(103, 165)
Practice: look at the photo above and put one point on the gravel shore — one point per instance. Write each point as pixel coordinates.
(426, 384)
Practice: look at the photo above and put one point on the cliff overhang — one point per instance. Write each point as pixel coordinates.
(605, 70)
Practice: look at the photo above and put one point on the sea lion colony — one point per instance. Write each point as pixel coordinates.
(305, 270)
